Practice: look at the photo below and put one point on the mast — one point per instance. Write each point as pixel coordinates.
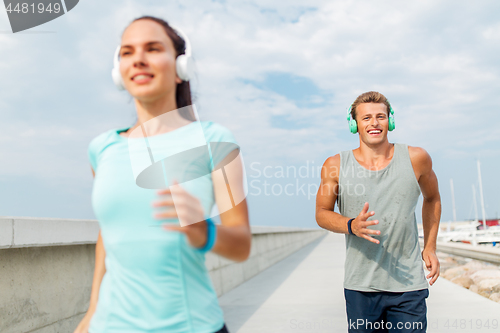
(475, 201)
(481, 194)
(474, 240)
(453, 204)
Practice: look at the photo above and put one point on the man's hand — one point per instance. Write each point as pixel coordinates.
(432, 264)
(359, 225)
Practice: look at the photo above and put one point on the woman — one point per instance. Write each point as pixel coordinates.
(150, 279)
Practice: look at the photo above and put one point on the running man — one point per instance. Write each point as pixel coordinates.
(376, 187)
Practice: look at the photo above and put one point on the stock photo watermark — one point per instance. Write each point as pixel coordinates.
(302, 180)
(187, 162)
(359, 324)
(445, 324)
(384, 325)
(26, 14)
(457, 324)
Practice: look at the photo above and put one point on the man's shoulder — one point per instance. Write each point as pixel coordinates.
(332, 162)
(331, 167)
(418, 153)
(335, 159)
(420, 158)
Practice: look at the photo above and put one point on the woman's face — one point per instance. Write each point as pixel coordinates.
(147, 63)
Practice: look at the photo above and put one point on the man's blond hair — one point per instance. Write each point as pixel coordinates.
(369, 97)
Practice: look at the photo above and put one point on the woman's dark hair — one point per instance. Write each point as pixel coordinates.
(183, 91)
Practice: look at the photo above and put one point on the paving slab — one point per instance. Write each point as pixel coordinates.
(303, 293)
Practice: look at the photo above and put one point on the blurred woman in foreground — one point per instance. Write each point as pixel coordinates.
(150, 273)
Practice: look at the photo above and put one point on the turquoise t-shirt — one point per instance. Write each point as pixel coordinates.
(155, 281)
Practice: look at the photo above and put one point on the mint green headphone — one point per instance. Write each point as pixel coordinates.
(353, 125)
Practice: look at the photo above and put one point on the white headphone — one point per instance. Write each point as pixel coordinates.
(183, 63)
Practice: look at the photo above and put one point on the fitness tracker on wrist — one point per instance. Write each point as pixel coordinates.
(349, 227)
(211, 235)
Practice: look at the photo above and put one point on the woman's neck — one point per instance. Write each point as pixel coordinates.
(149, 109)
(161, 116)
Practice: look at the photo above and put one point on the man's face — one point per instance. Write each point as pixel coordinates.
(373, 122)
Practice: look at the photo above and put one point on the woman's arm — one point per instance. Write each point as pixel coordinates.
(233, 239)
(233, 235)
(99, 271)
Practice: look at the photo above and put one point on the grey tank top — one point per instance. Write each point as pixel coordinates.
(395, 264)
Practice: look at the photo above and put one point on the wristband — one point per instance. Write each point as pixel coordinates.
(211, 235)
(349, 227)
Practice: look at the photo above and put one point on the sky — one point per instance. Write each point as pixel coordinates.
(280, 75)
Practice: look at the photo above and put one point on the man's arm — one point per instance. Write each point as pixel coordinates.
(325, 204)
(431, 208)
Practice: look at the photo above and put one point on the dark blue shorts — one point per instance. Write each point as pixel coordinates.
(223, 330)
(386, 311)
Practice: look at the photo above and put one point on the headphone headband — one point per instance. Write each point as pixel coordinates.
(182, 35)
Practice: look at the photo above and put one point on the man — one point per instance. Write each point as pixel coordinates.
(384, 283)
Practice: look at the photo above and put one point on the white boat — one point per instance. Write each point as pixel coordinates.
(470, 234)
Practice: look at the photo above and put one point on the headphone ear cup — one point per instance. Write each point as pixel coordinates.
(117, 78)
(115, 72)
(392, 124)
(184, 67)
(353, 126)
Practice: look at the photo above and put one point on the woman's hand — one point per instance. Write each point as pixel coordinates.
(187, 209)
(83, 327)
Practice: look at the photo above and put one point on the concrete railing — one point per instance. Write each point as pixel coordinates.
(47, 267)
(269, 245)
(489, 254)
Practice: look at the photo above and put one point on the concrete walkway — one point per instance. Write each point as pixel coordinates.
(303, 293)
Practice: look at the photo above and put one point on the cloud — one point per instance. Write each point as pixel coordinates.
(437, 63)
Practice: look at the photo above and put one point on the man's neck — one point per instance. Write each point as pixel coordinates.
(374, 155)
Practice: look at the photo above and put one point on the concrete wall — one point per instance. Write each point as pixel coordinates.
(479, 252)
(269, 245)
(46, 269)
